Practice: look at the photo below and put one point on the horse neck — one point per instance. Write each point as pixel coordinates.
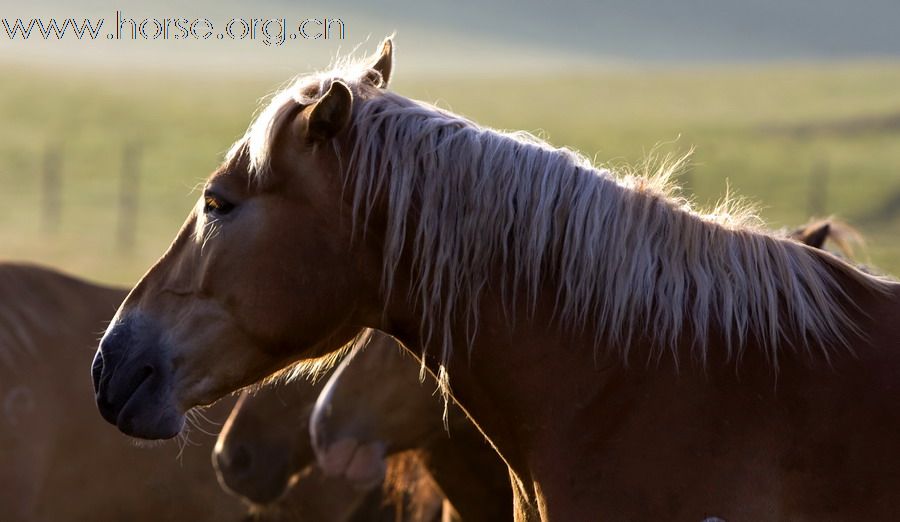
(403, 318)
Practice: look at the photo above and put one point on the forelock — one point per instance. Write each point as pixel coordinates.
(258, 141)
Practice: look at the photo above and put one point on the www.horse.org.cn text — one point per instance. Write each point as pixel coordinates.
(268, 31)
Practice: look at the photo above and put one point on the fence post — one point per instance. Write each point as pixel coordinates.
(129, 192)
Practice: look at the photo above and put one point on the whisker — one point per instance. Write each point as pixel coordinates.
(195, 417)
(199, 411)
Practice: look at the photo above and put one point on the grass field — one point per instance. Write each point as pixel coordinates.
(761, 130)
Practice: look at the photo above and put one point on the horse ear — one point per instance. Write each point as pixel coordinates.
(817, 236)
(331, 113)
(385, 63)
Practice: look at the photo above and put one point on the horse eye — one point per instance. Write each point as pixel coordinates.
(215, 204)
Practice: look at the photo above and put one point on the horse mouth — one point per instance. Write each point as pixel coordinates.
(133, 381)
(132, 407)
(361, 463)
(135, 407)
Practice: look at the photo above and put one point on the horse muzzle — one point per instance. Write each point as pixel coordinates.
(260, 475)
(133, 383)
(361, 463)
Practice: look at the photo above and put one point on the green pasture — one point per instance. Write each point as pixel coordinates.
(768, 132)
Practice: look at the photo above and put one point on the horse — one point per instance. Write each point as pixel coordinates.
(355, 427)
(627, 355)
(268, 464)
(58, 461)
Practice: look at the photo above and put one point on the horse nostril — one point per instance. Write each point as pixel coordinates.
(240, 459)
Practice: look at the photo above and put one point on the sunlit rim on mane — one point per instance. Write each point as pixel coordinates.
(620, 251)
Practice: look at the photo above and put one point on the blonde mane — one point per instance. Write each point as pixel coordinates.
(620, 252)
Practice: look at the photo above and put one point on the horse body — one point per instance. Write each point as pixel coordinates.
(403, 414)
(58, 462)
(628, 357)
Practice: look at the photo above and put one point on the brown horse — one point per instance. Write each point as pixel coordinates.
(355, 426)
(628, 357)
(264, 456)
(56, 461)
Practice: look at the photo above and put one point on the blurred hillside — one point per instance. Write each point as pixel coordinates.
(770, 133)
(793, 104)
